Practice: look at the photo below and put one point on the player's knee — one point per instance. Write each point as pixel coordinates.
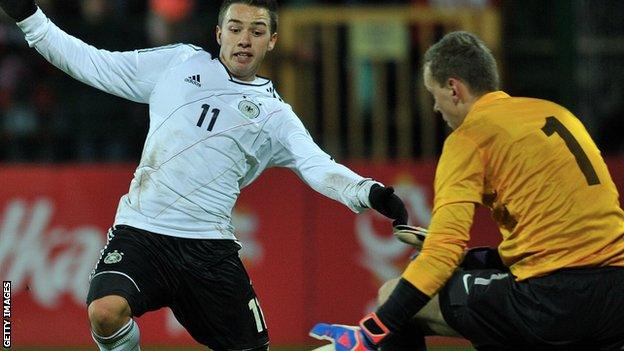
(108, 314)
(386, 289)
(430, 318)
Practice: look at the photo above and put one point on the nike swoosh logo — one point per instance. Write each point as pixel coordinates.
(466, 276)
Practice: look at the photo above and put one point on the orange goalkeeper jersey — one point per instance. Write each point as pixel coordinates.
(535, 166)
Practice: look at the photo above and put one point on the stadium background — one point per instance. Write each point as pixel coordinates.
(351, 71)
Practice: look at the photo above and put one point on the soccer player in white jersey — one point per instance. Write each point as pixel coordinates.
(214, 127)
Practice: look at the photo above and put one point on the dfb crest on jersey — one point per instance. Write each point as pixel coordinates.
(113, 257)
(249, 109)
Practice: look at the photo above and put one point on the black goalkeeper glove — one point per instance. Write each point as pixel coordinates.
(19, 10)
(388, 204)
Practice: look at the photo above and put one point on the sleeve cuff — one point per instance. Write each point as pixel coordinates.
(404, 302)
(364, 191)
(34, 27)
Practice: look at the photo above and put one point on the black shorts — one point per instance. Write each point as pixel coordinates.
(575, 309)
(204, 283)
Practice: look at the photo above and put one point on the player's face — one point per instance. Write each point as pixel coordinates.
(445, 101)
(245, 37)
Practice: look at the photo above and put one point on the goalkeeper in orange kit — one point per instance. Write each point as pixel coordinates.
(560, 281)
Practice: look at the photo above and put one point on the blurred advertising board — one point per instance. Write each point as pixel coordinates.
(310, 258)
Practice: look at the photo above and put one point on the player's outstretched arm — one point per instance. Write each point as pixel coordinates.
(131, 75)
(18, 10)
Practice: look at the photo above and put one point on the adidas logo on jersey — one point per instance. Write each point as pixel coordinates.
(195, 80)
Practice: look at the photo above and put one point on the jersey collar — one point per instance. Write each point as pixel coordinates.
(488, 98)
(484, 100)
(258, 82)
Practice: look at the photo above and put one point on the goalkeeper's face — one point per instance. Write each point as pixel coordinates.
(446, 98)
(245, 38)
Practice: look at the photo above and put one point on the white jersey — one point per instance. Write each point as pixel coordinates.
(209, 134)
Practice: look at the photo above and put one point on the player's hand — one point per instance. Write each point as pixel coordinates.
(367, 336)
(19, 10)
(384, 200)
(411, 235)
(343, 337)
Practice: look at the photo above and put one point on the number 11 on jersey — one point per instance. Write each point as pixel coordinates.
(213, 120)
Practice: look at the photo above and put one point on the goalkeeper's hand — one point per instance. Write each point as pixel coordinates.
(365, 337)
(343, 337)
(384, 200)
(18, 10)
(408, 234)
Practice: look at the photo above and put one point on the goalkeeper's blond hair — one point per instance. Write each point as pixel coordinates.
(462, 55)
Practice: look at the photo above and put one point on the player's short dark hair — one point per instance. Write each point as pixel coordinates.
(464, 56)
(270, 5)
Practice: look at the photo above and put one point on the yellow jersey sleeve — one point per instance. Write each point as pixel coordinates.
(458, 186)
(443, 249)
(460, 172)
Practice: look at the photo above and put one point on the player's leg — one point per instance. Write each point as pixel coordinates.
(112, 326)
(588, 295)
(386, 289)
(430, 319)
(217, 303)
(108, 314)
(126, 282)
(494, 312)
